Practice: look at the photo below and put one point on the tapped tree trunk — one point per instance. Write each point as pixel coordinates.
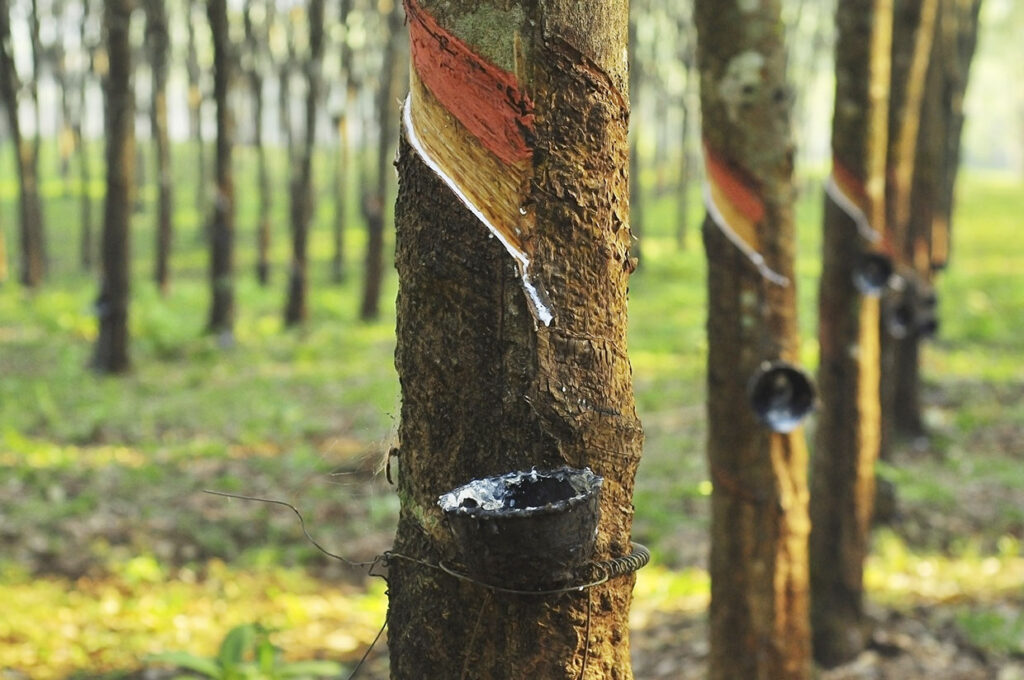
(222, 224)
(490, 382)
(759, 524)
(374, 204)
(296, 309)
(157, 41)
(111, 351)
(32, 250)
(848, 435)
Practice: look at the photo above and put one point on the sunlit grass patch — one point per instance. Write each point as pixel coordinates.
(52, 627)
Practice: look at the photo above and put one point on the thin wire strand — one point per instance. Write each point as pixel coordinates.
(369, 649)
(302, 524)
(586, 642)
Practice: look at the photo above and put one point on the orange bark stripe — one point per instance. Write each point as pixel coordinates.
(727, 182)
(851, 185)
(483, 97)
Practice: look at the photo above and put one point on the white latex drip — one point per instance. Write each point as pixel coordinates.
(719, 219)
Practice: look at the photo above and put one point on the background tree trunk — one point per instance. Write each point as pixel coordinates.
(374, 204)
(256, 46)
(222, 224)
(759, 525)
(296, 310)
(111, 351)
(486, 387)
(341, 172)
(195, 111)
(158, 44)
(848, 435)
(86, 246)
(32, 250)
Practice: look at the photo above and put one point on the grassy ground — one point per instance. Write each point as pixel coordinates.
(111, 551)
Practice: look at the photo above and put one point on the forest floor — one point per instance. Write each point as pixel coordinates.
(111, 551)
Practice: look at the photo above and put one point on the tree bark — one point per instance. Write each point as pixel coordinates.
(111, 351)
(86, 246)
(759, 525)
(848, 435)
(222, 224)
(374, 204)
(158, 44)
(296, 310)
(32, 247)
(487, 387)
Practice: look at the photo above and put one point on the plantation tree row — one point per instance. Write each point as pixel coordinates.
(511, 350)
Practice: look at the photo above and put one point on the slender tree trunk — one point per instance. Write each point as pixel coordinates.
(848, 435)
(296, 309)
(32, 250)
(195, 113)
(255, 44)
(686, 164)
(157, 41)
(487, 387)
(636, 187)
(374, 207)
(111, 351)
(222, 225)
(759, 526)
(86, 246)
(914, 30)
(341, 168)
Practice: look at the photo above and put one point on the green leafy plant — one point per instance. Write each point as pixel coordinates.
(247, 654)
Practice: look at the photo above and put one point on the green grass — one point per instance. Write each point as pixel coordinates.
(102, 477)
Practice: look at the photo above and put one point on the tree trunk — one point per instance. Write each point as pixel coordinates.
(914, 29)
(222, 225)
(848, 435)
(488, 386)
(256, 44)
(195, 113)
(32, 251)
(111, 351)
(157, 42)
(759, 526)
(686, 164)
(374, 205)
(341, 168)
(296, 310)
(86, 247)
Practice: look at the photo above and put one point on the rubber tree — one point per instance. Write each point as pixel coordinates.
(759, 523)
(90, 42)
(914, 31)
(349, 89)
(222, 222)
(512, 251)
(256, 38)
(32, 251)
(374, 203)
(111, 350)
(296, 310)
(195, 107)
(158, 46)
(849, 435)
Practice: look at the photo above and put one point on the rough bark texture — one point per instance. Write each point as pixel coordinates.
(32, 253)
(222, 223)
(111, 351)
(487, 389)
(158, 44)
(759, 605)
(302, 182)
(848, 435)
(374, 204)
